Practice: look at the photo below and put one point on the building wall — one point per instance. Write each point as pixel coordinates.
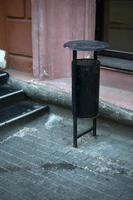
(54, 23)
(2, 25)
(17, 32)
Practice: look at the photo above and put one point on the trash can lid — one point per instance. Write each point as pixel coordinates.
(86, 45)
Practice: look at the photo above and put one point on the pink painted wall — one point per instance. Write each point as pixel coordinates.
(55, 22)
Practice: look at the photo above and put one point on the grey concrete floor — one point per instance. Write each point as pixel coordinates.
(37, 160)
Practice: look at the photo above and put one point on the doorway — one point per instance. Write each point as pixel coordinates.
(115, 26)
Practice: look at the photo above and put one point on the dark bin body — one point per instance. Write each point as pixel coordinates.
(85, 87)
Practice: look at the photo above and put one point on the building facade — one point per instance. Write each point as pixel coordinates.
(33, 33)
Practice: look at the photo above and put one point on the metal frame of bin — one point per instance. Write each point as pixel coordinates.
(82, 45)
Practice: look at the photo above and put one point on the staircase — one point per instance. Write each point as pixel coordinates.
(15, 105)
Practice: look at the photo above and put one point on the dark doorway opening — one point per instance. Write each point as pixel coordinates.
(114, 24)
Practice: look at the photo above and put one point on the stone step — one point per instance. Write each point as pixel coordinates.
(3, 77)
(9, 96)
(21, 110)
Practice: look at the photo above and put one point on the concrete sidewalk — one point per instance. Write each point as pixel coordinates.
(116, 92)
(37, 160)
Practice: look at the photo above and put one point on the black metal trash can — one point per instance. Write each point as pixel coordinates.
(86, 72)
(85, 84)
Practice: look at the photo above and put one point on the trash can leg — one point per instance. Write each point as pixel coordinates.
(74, 131)
(94, 126)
